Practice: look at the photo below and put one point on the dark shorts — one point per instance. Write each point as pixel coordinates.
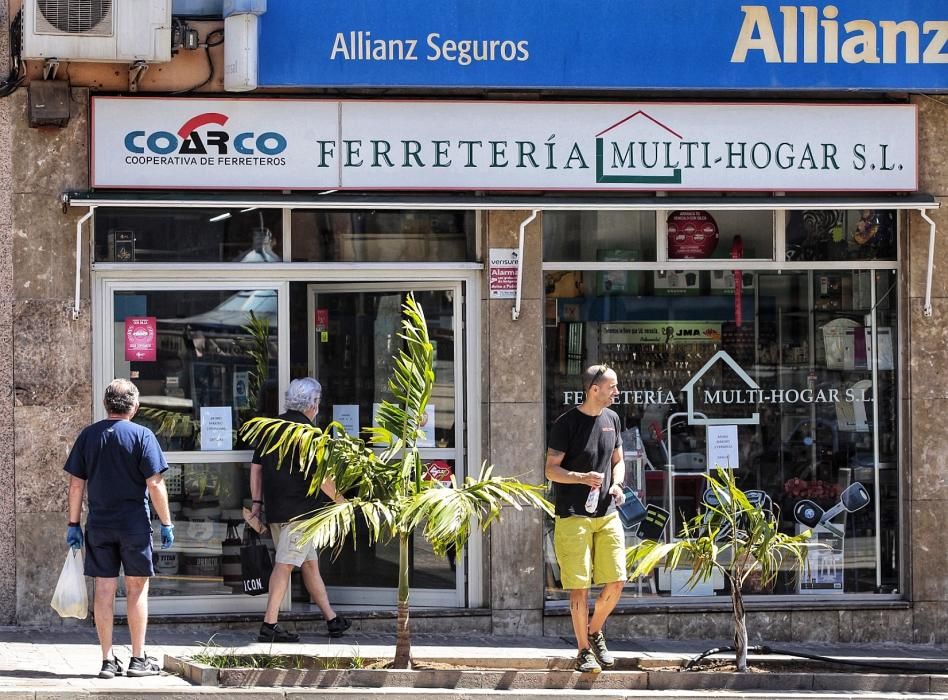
(107, 549)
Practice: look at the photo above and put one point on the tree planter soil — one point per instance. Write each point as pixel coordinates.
(556, 673)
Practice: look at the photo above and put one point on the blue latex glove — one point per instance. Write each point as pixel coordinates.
(74, 536)
(167, 536)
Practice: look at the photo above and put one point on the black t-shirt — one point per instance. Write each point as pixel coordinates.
(285, 490)
(588, 443)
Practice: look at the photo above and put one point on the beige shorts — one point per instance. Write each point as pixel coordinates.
(289, 548)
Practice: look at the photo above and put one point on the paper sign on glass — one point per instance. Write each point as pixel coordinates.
(216, 428)
(722, 447)
(141, 338)
(348, 416)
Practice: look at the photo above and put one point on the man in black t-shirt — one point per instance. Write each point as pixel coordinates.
(285, 491)
(584, 462)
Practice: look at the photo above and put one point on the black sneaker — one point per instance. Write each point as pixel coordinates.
(111, 668)
(338, 626)
(140, 667)
(597, 643)
(275, 633)
(586, 662)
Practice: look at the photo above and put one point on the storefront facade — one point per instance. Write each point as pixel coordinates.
(758, 272)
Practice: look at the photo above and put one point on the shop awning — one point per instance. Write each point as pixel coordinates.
(541, 201)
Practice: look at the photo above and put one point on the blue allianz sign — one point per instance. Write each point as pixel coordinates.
(606, 44)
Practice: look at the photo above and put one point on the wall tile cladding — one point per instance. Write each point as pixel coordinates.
(44, 248)
(932, 144)
(930, 556)
(44, 437)
(51, 160)
(7, 476)
(52, 354)
(40, 550)
(918, 236)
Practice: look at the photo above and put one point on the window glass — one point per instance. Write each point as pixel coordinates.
(383, 236)
(794, 353)
(188, 235)
(609, 236)
(204, 361)
(695, 234)
(842, 234)
(205, 502)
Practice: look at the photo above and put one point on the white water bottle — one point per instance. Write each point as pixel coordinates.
(592, 501)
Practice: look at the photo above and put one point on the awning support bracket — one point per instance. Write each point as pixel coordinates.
(84, 219)
(927, 307)
(515, 311)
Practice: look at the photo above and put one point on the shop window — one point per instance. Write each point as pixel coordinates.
(204, 362)
(206, 501)
(127, 235)
(842, 234)
(810, 361)
(696, 235)
(383, 236)
(604, 236)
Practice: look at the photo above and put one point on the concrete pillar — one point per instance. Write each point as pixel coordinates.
(7, 476)
(925, 481)
(514, 423)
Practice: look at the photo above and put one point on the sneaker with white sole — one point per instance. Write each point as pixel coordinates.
(586, 662)
(140, 667)
(597, 643)
(110, 668)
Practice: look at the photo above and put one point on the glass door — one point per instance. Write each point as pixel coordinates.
(353, 331)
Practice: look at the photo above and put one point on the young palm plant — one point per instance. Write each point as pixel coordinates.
(384, 479)
(733, 536)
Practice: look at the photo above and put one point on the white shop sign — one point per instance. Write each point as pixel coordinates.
(443, 145)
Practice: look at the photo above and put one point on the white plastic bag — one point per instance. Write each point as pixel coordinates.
(70, 599)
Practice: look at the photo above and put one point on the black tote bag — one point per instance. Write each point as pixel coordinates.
(255, 564)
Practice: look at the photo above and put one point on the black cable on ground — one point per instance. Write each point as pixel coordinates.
(764, 650)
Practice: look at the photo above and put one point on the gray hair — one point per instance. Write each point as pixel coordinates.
(303, 394)
(121, 397)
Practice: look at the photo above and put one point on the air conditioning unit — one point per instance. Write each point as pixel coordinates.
(115, 31)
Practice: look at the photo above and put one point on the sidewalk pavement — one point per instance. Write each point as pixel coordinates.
(64, 662)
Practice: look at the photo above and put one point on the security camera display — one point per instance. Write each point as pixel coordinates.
(788, 378)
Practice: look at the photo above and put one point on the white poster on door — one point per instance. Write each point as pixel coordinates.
(348, 416)
(216, 428)
(723, 449)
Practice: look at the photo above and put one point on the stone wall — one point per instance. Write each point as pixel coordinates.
(52, 353)
(7, 475)
(925, 494)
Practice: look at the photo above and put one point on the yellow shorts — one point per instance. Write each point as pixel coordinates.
(589, 550)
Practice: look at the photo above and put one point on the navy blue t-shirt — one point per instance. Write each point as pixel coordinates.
(115, 457)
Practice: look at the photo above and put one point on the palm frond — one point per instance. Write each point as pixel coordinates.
(446, 512)
(331, 525)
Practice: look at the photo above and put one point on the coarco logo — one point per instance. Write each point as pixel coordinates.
(188, 141)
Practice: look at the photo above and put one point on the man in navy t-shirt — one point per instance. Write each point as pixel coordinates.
(120, 464)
